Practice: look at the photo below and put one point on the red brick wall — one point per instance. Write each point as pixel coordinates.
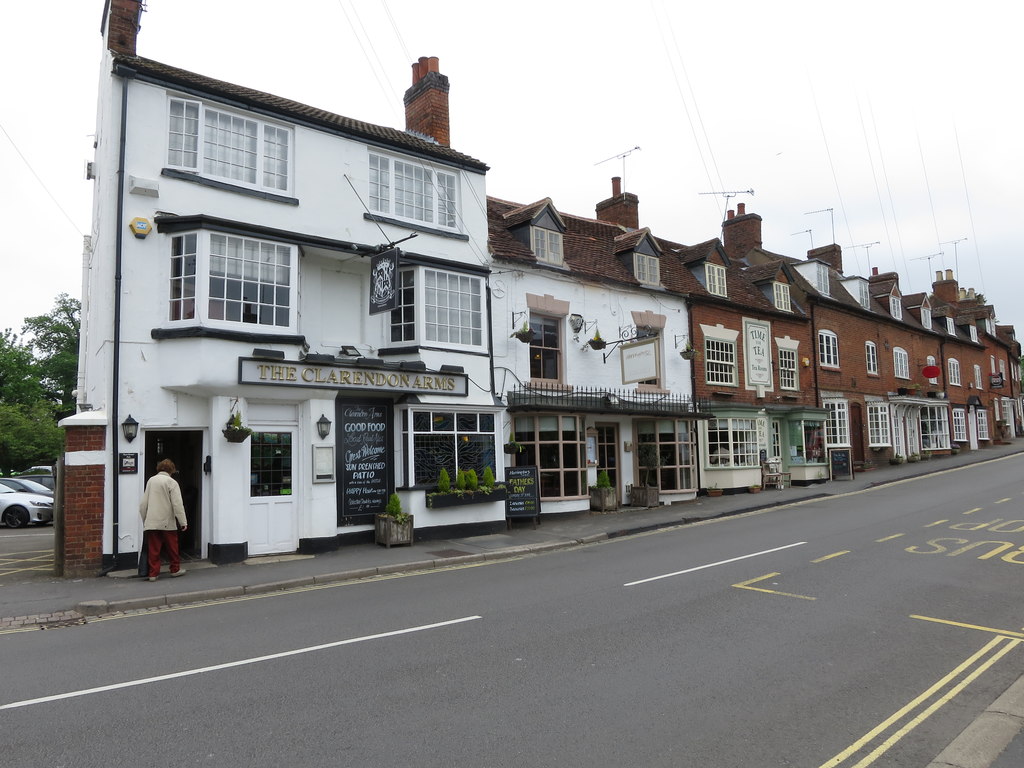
(84, 489)
(123, 26)
(426, 107)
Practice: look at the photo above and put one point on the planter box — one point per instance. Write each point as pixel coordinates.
(604, 499)
(443, 500)
(715, 491)
(387, 532)
(642, 496)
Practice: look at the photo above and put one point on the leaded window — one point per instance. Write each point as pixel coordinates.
(453, 441)
(270, 464)
(733, 443)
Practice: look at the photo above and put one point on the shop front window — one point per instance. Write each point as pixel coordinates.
(806, 442)
(555, 444)
(452, 441)
(673, 442)
(934, 428)
(732, 443)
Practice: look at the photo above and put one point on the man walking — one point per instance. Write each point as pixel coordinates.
(163, 515)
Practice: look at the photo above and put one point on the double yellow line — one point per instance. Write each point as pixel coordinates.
(882, 737)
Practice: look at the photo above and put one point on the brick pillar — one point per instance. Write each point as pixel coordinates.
(84, 498)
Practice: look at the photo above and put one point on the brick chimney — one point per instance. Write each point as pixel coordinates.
(946, 288)
(121, 25)
(622, 208)
(741, 231)
(830, 254)
(426, 102)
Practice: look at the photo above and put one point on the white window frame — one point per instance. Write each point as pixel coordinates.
(427, 320)
(926, 317)
(935, 427)
(720, 365)
(930, 360)
(953, 371)
(865, 294)
(982, 418)
(646, 268)
(977, 377)
(950, 326)
(788, 371)
(821, 279)
(404, 189)
(732, 442)
(837, 426)
(972, 329)
(871, 357)
(959, 425)
(547, 245)
(192, 137)
(879, 425)
(781, 297)
(714, 277)
(828, 349)
(990, 326)
(264, 270)
(900, 363)
(895, 307)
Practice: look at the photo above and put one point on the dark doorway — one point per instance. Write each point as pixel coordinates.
(608, 453)
(857, 432)
(185, 449)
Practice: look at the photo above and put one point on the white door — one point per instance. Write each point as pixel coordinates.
(273, 510)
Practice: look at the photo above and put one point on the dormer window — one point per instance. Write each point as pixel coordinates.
(821, 280)
(926, 317)
(973, 330)
(714, 278)
(414, 192)
(990, 326)
(780, 292)
(865, 295)
(950, 326)
(647, 269)
(547, 245)
(895, 307)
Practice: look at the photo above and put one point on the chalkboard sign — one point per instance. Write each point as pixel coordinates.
(522, 485)
(364, 460)
(839, 464)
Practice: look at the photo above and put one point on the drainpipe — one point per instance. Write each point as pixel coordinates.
(693, 390)
(126, 74)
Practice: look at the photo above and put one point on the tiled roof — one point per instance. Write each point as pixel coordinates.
(295, 110)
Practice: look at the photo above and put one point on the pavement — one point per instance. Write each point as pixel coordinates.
(43, 602)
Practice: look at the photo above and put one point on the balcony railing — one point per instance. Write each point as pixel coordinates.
(605, 400)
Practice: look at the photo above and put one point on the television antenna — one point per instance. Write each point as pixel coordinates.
(805, 232)
(621, 156)
(831, 216)
(727, 195)
(867, 248)
(929, 257)
(956, 262)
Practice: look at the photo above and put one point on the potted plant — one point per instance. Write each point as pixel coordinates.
(525, 333)
(603, 497)
(688, 352)
(954, 448)
(755, 488)
(646, 494)
(597, 342)
(714, 490)
(234, 431)
(896, 459)
(913, 458)
(393, 525)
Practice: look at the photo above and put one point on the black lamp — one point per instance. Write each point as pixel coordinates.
(130, 428)
(323, 426)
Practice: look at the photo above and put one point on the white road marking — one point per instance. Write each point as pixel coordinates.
(712, 565)
(230, 664)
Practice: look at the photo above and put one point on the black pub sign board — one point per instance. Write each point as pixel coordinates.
(522, 485)
(364, 459)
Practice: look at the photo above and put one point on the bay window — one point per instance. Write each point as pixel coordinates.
(733, 443)
(934, 428)
(806, 442)
(411, 191)
(439, 307)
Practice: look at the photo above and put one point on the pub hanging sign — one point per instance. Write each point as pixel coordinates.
(384, 282)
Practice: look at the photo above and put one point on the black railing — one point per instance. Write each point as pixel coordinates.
(605, 400)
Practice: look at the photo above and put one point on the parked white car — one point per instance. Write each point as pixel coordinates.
(18, 508)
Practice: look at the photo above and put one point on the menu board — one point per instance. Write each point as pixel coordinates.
(839, 464)
(364, 452)
(522, 486)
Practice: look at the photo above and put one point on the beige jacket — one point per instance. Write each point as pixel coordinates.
(161, 506)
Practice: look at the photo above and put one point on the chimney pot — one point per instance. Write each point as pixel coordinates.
(949, 274)
(741, 209)
(730, 214)
(426, 101)
(938, 275)
(874, 271)
(616, 186)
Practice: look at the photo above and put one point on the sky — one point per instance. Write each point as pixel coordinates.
(889, 128)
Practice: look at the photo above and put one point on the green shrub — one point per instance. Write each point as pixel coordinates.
(472, 481)
(488, 481)
(460, 481)
(444, 482)
(603, 481)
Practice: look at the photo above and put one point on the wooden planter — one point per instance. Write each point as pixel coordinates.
(443, 500)
(604, 499)
(642, 496)
(715, 491)
(387, 531)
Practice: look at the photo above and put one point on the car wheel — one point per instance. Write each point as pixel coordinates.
(15, 517)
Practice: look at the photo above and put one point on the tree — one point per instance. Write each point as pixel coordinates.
(54, 340)
(19, 382)
(29, 435)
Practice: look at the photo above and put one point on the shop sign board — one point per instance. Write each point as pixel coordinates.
(364, 460)
(522, 485)
(325, 376)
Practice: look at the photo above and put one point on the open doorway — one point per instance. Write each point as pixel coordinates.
(185, 449)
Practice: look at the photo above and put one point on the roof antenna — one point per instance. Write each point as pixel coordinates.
(621, 156)
(930, 257)
(831, 215)
(867, 249)
(956, 261)
(805, 232)
(727, 195)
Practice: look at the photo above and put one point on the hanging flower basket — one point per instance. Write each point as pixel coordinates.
(688, 353)
(234, 431)
(597, 343)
